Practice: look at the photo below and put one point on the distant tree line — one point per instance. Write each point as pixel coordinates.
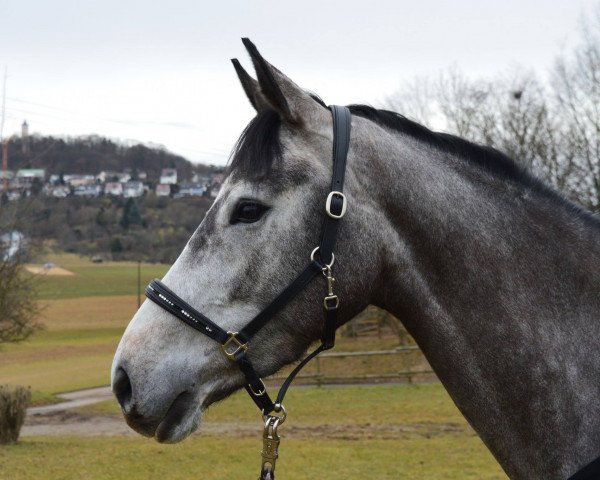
(550, 125)
(93, 154)
(153, 229)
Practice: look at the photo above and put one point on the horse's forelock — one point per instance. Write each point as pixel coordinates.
(259, 147)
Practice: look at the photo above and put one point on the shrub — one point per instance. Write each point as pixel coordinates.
(13, 406)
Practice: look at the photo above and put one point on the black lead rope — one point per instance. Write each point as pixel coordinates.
(235, 344)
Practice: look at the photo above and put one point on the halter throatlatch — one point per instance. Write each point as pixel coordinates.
(235, 345)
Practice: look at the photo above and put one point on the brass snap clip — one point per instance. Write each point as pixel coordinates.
(271, 440)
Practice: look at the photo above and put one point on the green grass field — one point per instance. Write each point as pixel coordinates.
(208, 458)
(225, 459)
(342, 405)
(386, 431)
(350, 432)
(74, 350)
(95, 279)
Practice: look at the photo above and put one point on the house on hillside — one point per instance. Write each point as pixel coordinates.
(107, 176)
(59, 191)
(163, 190)
(133, 189)
(79, 179)
(124, 177)
(93, 190)
(168, 176)
(54, 179)
(26, 176)
(113, 188)
(201, 179)
(190, 190)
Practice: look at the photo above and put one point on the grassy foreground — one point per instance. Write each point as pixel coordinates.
(385, 431)
(215, 458)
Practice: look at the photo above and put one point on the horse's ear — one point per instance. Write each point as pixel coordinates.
(251, 87)
(294, 104)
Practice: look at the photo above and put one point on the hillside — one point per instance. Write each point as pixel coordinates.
(149, 228)
(93, 154)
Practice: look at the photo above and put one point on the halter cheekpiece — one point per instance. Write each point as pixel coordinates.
(235, 345)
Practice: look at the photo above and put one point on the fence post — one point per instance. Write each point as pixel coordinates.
(318, 371)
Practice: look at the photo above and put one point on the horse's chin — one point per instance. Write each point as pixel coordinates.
(181, 420)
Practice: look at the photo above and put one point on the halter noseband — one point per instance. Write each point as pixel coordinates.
(235, 344)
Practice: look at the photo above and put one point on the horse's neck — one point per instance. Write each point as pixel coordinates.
(499, 286)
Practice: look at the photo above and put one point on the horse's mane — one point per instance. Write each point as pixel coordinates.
(487, 157)
(259, 148)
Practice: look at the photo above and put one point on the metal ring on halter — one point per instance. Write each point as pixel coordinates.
(312, 257)
(279, 409)
(271, 425)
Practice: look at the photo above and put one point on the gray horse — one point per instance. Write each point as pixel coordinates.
(495, 275)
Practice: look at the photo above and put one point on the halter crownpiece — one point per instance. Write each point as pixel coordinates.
(236, 344)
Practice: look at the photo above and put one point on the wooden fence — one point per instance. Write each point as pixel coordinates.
(407, 372)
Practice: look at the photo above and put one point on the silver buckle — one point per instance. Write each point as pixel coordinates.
(239, 346)
(260, 393)
(328, 204)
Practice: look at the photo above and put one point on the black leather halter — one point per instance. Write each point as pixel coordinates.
(236, 344)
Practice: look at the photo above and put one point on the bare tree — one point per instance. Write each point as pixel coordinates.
(466, 106)
(552, 128)
(18, 308)
(576, 82)
(415, 100)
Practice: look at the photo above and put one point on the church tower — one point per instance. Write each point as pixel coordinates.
(25, 138)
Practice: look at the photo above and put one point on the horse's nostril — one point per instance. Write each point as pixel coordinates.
(122, 389)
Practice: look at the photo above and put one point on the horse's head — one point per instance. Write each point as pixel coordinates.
(256, 237)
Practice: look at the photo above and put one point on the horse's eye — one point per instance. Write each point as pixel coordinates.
(248, 211)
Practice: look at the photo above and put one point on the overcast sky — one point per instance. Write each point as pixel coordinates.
(159, 72)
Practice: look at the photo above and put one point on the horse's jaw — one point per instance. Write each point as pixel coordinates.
(181, 420)
(185, 414)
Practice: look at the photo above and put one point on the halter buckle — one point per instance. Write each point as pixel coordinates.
(239, 346)
(335, 193)
(261, 391)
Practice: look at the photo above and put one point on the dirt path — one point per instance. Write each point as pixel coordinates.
(75, 399)
(91, 425)
(48, 271)
(60, 419)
